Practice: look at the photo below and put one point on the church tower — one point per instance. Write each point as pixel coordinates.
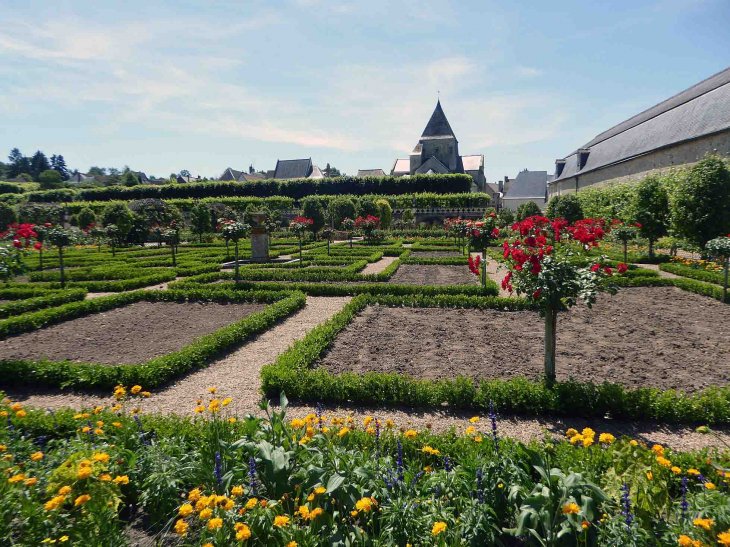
(437, 150)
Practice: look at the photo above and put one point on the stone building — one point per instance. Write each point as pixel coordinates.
(437, 151)
(370, 173)
(241, 176)
(675, 132)
(526, 186)
(297, 169)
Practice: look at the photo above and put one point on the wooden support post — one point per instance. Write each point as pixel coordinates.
(551, 320)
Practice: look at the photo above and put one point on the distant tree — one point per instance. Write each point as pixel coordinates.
(184, 173)
(99, 171)
(200, 219)
(120, 216)
(651, 210)
(130, 179)
(113, 171)
(50, 179)
(333, 171)
(7, 216)
(408, 216)
(385, 213)
(59, 164)
(26, 177)
(366, 206)
(339, 209)
(18, 164)
(312, 208)
(701, 206)
(3, 171)
(38, 164)
(126, 170)
(529, 209)
(85, 218)
(567, 207)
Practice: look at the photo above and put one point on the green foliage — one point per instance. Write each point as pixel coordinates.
(506, 218)
(339, 209)
(200, 219)
(50, 179)
(85, 217)
(385, 213)
(651, 210)
(129, 179)
(701, 206)
(160, 369)
(366, 206)
(693, 273)
(408, 216)
(49, 300)
(312, 208)
(7, 216)
(567, 207)
(528, 209)
(119, 215)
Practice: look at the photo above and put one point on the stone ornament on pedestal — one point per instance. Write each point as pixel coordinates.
(259, 239)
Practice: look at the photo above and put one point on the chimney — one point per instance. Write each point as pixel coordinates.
(583, 157)
(250, 169)
(559, 166)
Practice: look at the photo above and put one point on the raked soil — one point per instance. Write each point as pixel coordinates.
(128, 335)
(412, 274)
(642, 337)
(435, 254)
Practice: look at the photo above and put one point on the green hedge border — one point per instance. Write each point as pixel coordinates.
(693, 273)
(292, 374)
(159, 370)
(49, 300)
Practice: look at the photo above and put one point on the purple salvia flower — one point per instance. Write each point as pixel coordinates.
(493, 418)
(480, 492)
(319, 414)
(218, 471)
(626, 504)
(399, 462)
(684, 505)
(252, 475)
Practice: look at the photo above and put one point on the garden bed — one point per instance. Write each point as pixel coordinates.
(414, 274)
(434, 254)
(127, 335)
(643, 337)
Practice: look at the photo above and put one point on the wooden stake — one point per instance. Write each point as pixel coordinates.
(551, 320)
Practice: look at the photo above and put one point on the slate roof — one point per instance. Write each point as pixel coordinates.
(250, 176)
(370, 173)
(473, 163)
(293, 169)
(401, 166)
(316, 173)
(701, 110)
(528, 184)
(230, 174)
(438, 125)
(493, 187)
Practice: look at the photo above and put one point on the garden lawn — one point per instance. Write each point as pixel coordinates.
(642, 337)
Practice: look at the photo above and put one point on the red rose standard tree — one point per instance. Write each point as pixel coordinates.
(11, 256)
(720, 247)
(234, 231)
(299, 226)
(548, 262)
(368, 225)
(482, 233)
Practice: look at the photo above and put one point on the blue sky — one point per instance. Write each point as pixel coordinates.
(166, 86)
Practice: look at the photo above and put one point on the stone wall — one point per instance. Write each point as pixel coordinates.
(660, 161)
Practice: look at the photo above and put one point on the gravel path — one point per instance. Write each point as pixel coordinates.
(379, 266)
(662, 273)
(495, 273)
(236, 374)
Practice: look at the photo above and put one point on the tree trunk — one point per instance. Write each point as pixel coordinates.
(626, 255)
(328, 246)
(551, 321)
(174, 261)
(484, 267)
(651, 248)
(301, 265)
(60, 263)
(350, 241)
(236, 259)
(41, 259)
(724, 288)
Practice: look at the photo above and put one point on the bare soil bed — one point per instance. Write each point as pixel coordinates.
(412, 274)
(129, 335)
(435, 254)
(642, 337)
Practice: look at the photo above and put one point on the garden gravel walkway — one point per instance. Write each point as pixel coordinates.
(379, 266)
(494, 274)
(655, 267)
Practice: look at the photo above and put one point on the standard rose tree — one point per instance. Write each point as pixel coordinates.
(482, 233)
(624, 233)
(299, 226)
(720, 247)
(348, 225)
(548, 263)
(172, 236)
(234, 231)
(368, 225)
(59, 237)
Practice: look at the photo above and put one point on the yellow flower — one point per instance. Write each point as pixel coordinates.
(344, 431)
(303, 511)
(98, 432)
(84, 472)
(474, 419)
(663, 462)
(228, 504)
(263, 503)
(368, 419)
(705, 524)
(389, 423)
(428, 469)
(650, 476)
(292, 544)
(606, 438)
(136, 389)
(20, 414)
(365, 505)
(253, 502)
(632, 442)
(370, 431)
(194, 495)
(64, 490)
(296, 422)
(500, 485)
(214, 524)
(710, 486)
(231, 420)
(82, 499)
(320, 490)
(410, 434)
(438, 528)
(692, 471)
(570, 509)
(576, 439)
(63, 539)
(585, 525)
(214, 405)
(723, 538)
(587, 441)
(209, 544)
(206, 514)
(145, 394)
(199, 409)
(281, 521)
(676, 470)
(106, 477)
(685, 541)
(3, 448)
(658, 449)
(101, 457)
(121, 479)
(470, 431)
(571, 433)
(237, 491)
(185, 510)
(54, 503)
(31, 481)
(477, 439)
(588, 432)
(429, 450)
(212, 389)
(353, 513)
(15, 407)
(99, 424)
(16, 478)
(181, 527)
(117, 424)
(242, 532)
(36, 456)
(226, 401)
(310, 497)
(119, 392)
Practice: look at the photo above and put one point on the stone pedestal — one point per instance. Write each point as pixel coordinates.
(259, 244)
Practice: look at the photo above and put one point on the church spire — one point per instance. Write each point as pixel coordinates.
(438, 125)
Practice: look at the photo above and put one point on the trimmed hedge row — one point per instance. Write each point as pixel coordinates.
(160, 369)
(48, 300)
(690, 285)
(293, 373)
(112, 286)
(693, 273)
